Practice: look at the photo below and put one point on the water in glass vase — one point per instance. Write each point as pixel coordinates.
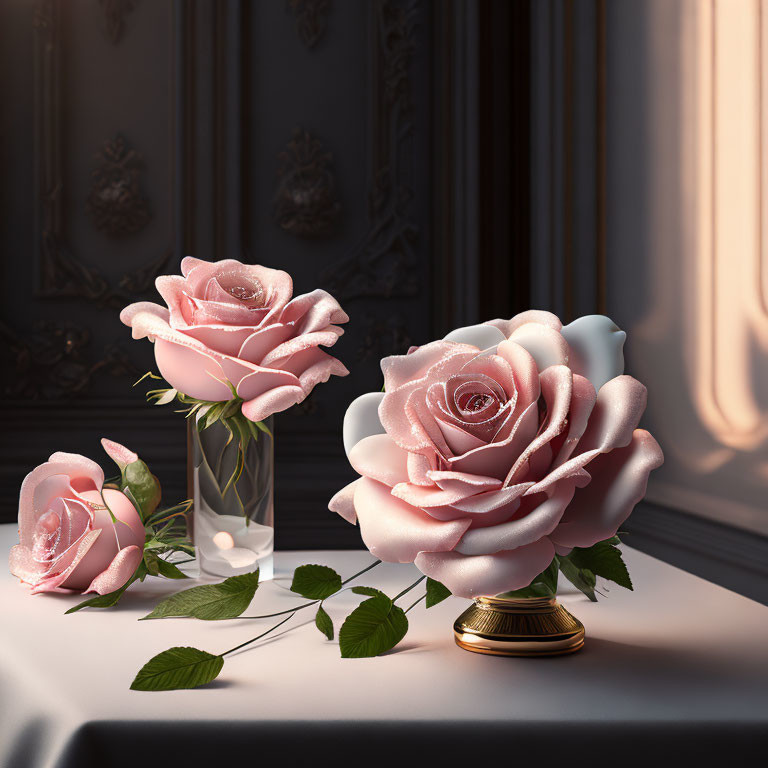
(233, 494)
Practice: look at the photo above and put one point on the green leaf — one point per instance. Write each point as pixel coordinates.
(323, 622)
(144, 487)
(104, 601)
(148, 375)
(151, 562)
(436, 592)
(375, 626)
(370, 591)
(316, 582)
(581, 578)
(263, 427)
(210, 602)
(603, 559)
(179, 667)
(169, 570)
(544, 585)
(162, 397)
(162, 515)
(252, 429)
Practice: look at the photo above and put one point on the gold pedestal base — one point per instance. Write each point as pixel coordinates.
(536, 626)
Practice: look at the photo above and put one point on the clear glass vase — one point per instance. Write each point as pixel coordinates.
(233, 520)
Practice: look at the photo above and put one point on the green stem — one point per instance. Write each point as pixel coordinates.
(313, 602)
(408, 589)
(360, 573)
(413, 605)
(258, 637)
(280, 613)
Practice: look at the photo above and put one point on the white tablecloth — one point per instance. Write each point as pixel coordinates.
(678, 667)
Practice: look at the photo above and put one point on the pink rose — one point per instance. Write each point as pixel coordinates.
(233, 322)
(67, 537)
(496, 448)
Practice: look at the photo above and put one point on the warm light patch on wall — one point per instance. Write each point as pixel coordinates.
(730, 284)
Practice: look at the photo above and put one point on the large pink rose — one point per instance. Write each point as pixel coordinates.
(496, 448)
(236, 323)
(67, 537)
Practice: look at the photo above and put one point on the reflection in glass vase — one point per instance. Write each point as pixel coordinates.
(233, 495)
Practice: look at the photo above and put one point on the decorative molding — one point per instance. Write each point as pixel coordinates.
(116, 204)
(115, 12)
(383, 337)
(141, 281)
(305, 202)
(52, 362)
(383, 265)
(311, 19)
(60, 273)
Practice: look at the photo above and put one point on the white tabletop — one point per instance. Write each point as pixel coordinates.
(677, 662)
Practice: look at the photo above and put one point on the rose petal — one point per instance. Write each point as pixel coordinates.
(129, 313)
(70, 467)
(508, 327)
(424, 496)
(618, 409)
(277, 285)
(84, 474)
(378, 457)
(482, 336)
(400, 370)
(69, 562)
(313, 311)
(418, 468)
(343, 503)
(619, 481)
(321, 367)
(362, 419)
(546, 345)
(121, 455)
(261, 342)
(261, 380)
(118, 572)
(223, 316)
(457, 439)
(272, 401)
(289, 349)
(531, 527)
(495, 459)
(396, 532)
(596, 344)
(128, 531)
(403, 411)
(493, 501)
(583, 398)
(191, 371)
(450, 480)
(525, 371)
(172, 289)
(226, 340)
(556, 387)
(473, 576)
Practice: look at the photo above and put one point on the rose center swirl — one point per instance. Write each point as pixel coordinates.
(248, 290)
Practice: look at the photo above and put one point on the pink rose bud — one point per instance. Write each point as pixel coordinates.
(67, 538)
(118, 453)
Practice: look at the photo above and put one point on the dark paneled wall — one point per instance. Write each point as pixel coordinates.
(362, 146)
